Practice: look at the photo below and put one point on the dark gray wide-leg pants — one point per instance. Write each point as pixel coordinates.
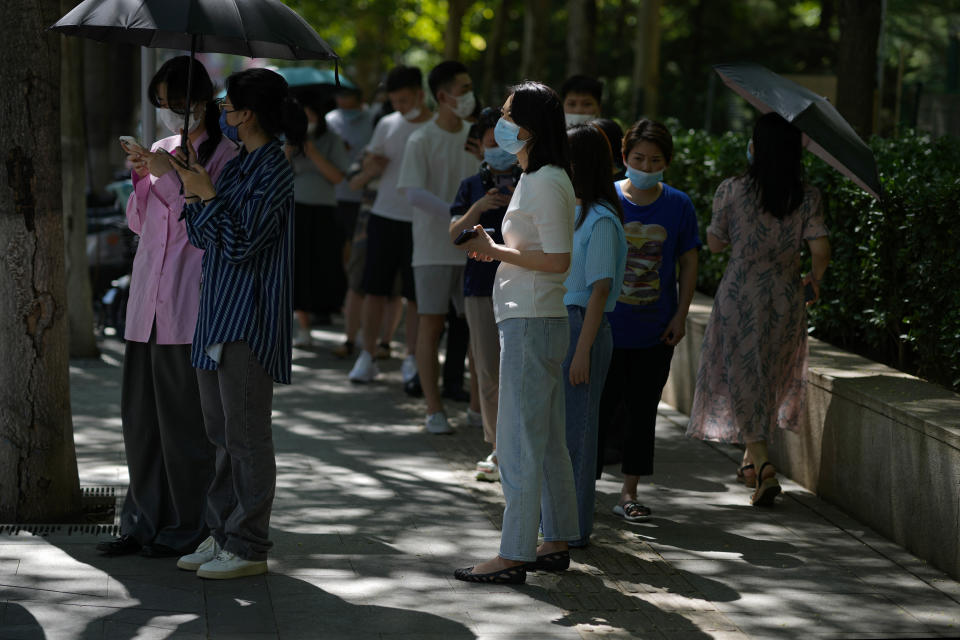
(169, 457)
(237, 400)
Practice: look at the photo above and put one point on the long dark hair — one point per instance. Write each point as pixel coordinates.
(777, 170)
(266, 94)
(537, 108)
(592, 170)
(173, 73)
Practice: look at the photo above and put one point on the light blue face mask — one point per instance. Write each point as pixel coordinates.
(506, 134)
(498, 159)
(642, 179)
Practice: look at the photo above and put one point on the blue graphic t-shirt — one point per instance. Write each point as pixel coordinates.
(657, 234)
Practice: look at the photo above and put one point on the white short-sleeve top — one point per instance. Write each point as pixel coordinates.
(540, 216)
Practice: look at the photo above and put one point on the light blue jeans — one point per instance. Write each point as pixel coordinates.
(583, 416)
(535, 471)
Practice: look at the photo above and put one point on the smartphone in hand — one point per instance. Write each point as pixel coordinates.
(468, 234)
(132, 145)
(174, 159)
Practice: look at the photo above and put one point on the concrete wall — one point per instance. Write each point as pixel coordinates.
(882, 445)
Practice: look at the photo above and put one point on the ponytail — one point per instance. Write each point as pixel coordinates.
(211, 122)
(293, 122)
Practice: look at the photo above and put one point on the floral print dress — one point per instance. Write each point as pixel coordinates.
(753, 361)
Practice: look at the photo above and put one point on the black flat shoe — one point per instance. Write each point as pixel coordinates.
(556, 561)
(122, 546)
(510, 575)
(155, 550)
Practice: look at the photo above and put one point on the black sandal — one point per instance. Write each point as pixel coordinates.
(510, 575)
(556, 561)
(742, 476)
(767, 490)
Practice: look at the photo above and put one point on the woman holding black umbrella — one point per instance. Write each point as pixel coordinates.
(753, 361)
(169, 457)
(242, 342)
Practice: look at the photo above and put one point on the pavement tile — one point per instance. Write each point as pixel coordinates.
(372, 515)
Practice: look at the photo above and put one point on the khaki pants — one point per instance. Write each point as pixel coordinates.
(485, 345)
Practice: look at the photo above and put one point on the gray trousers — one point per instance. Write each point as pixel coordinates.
(237, 400)
(169, 457)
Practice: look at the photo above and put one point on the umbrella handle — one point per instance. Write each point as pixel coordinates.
(186, 118)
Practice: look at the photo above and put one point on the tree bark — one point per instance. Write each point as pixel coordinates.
(454, 28)
(581, 37)
(72, 136)
(491, 59)
(646, 60)
(38, 467)
(536, 16)
(860, 22)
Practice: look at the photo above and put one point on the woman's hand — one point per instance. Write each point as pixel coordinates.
(157, 164)
(810, 280)
(580, 367)
(676, 329)
(481, 247)
(138, 162)
(196, 180)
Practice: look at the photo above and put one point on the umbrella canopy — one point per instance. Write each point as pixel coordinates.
(252, 28)
(831, 137)
(306, 76)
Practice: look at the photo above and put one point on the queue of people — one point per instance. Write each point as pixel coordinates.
(539, 226)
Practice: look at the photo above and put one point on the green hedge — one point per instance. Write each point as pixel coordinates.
(892, 292)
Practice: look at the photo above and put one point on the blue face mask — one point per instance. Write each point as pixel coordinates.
(228, 130)
(499, 159)
(749, 155)
(506, 134)
(642, 179)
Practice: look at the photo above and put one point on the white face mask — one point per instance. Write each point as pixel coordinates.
(174, 121)
(578, 118)
(412, 115)
(465, 105)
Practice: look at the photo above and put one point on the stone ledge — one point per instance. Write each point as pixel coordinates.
(882, 445)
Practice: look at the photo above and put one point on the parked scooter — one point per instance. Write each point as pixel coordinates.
(111, 247)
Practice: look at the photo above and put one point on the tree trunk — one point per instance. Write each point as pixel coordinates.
(536, 17)
(646, 60)
(860, 22)
(451, 35)
(72, 138)
(581, 37)
(491, 60)
(38, 467)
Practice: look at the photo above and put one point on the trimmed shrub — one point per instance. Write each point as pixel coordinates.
(891, 292)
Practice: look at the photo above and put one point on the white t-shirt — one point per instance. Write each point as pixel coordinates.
(435, 160)
(390, 139)
(540, 216)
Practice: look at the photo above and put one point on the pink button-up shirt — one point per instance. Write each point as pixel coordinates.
(165, 284)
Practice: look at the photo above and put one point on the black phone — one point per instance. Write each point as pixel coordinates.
(174, 159)
(808, 292)
(467, 234)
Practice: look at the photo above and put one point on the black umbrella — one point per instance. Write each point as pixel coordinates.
(831, 137)
(253, 28)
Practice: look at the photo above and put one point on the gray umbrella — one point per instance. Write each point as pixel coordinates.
(831, 137)
(253, 28)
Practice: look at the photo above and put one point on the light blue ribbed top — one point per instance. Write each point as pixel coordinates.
(599, 251)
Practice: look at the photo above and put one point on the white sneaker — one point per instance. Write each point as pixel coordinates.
(229, 565)
(408, 369)
(206, 552)
(488, 470)
(474, 418)
(364, 369)
(437, 423)
(303, 338)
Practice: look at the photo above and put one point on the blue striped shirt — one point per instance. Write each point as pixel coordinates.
(599, 251)
(246, 233)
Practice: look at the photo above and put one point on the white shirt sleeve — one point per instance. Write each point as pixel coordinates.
(553, 211)
(426, 201)
(413, 168)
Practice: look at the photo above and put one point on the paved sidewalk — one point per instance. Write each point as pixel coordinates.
(372, 515)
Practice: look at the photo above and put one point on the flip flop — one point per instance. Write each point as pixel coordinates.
(632, 511)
